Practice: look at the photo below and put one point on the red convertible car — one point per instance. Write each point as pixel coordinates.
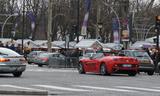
(106, 65)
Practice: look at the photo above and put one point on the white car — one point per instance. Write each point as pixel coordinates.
(11, 62)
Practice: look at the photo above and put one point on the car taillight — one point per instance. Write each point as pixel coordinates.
(4, 60)
(44, 59)
(23, 60)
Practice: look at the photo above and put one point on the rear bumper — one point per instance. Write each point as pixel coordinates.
(145, 69)
(124, 70)
(12, 68)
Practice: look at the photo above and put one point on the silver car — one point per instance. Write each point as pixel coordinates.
(11, 62)
(32, 56)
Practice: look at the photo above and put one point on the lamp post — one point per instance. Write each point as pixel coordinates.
(15, 14)
(100, 25)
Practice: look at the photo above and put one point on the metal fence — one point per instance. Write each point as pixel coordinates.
(60, 62)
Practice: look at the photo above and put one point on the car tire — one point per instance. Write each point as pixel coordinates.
(132, 74)
(103, 69)
(17, 74)
(39, 65)
(150, 73)
(81, 68)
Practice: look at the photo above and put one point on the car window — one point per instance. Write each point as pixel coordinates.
(5, 51)
(127, 53)
(141, 54)
(55, 55)
(44, 55)
(61, 55)
(98, 55)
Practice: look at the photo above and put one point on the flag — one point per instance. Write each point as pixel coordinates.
(115, 28)
(32, 18)
(85, 21)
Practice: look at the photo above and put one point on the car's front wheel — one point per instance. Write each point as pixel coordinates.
(17, 74)
(132, 74)
(81, 68)
(103, 70)
(150, 73)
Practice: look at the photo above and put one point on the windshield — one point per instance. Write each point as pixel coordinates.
(5, 51)
(141, 54)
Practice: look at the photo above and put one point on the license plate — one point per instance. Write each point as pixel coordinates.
(127, 65)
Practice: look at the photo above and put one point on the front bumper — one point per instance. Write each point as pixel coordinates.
(12, 68)
(146, 68)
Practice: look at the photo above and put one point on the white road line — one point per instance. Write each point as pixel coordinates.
(19, 87)
(138, 88)
(104, 88)
(52, 70)
(61, 88)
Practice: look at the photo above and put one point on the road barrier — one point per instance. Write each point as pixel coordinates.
(67, 62)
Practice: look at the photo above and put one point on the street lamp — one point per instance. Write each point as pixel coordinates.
(100, 25)
(15, 14)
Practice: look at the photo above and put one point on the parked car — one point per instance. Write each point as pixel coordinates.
(44, 58)
(31, 57)
(11, 62)
(98, 63)
(146, 63)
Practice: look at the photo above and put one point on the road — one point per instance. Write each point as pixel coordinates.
(68, 82)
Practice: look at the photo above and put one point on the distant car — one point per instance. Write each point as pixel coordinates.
(146, 63)
(98, 63)
(31, 57)
(11, 62)
(43, 58)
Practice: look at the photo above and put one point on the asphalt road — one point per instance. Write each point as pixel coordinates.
(68, 82)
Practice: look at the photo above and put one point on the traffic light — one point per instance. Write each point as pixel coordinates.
(157, 21)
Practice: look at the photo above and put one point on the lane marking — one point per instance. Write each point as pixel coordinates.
(52, 70)
(19, 87)
(61, 88)
(138, 88)
(104, 88)
(156, 87)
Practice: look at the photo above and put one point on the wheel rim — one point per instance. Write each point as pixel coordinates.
(80, 67)
(103, 70)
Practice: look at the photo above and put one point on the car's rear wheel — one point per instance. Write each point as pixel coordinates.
(29, 62)
(103, 69)
(150, 73)
(81, 68)
(17, 74)
(132, 74)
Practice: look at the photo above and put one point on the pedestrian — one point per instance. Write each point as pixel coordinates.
(7, 45)
(12, 47)
(19, 49)
(1, 44)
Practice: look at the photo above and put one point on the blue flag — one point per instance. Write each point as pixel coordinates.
(85, 21)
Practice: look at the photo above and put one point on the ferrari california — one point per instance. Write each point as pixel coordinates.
(107, 65)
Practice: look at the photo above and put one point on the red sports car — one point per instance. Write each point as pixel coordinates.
(98, 63)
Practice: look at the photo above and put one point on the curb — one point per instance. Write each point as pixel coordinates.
(23, 92)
